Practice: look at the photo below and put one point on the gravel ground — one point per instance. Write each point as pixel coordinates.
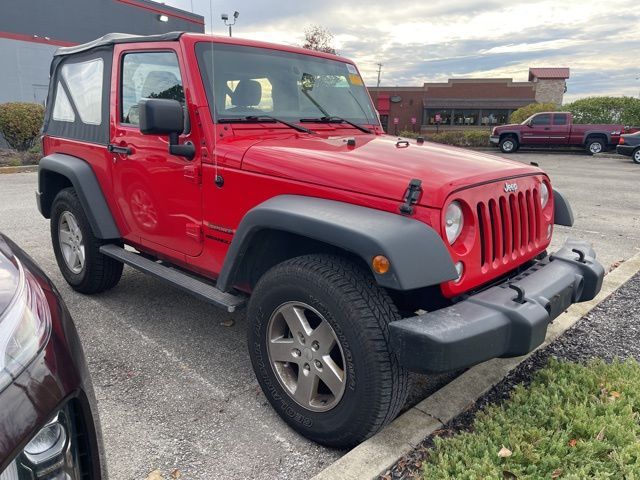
(610, 330)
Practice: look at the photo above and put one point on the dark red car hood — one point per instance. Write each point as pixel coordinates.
(378, 166)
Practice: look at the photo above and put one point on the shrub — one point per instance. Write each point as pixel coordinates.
(624, 110)
(20, 123)
(521, 114)
(472, 138)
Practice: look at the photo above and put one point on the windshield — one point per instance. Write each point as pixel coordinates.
(250, 81)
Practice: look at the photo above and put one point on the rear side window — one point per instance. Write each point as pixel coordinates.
(560, 119)
(148, 75)
(544, 119)
(83, 83)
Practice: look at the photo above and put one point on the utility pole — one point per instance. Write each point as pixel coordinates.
(379, 73)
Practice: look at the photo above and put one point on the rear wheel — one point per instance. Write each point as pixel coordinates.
(508, 144)
(318, 339)
(635, 156)
(595, 145)
(77, 250)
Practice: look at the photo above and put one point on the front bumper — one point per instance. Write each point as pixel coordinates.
(625, 149)
(507, 320)
(494, 139)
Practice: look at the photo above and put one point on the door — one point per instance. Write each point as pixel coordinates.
(560, 129)
(537, 131)
(158, 194)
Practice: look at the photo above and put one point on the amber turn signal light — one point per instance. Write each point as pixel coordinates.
(380, 264)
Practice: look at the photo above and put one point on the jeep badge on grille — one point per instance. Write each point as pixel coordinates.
(510, 187)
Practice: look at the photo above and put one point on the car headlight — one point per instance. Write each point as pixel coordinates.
(544, 194)
(453, 221)
(54, 452)
(25, 327)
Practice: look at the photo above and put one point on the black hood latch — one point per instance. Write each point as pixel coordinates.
(411, 196)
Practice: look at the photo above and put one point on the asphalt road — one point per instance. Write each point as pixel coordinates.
(175, 387)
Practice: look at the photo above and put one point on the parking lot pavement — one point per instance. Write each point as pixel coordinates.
(176, 389)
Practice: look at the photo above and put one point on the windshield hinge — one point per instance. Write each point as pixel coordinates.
(411, 196)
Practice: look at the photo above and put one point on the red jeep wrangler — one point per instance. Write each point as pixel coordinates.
(245, 172)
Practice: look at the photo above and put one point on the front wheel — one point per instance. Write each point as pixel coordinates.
(508, 144)
(636, 155)
(318, 336)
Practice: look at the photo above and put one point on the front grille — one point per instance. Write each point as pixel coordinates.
(509, 227)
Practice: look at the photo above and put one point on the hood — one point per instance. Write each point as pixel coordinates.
(378, 166)
(508, 126)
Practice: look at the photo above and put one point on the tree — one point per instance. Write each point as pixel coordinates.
(317, 37)
(521, 114)
(623, 110)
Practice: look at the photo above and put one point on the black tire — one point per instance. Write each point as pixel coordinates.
(595, 145)
(509, 144)
(359, 312)
(99, 272)
(635, 156)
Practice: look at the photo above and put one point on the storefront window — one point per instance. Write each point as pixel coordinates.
(466, 117)
(434, 114)
(494, 117)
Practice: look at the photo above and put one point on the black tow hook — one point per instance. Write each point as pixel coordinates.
(520, 297)
(580, 255)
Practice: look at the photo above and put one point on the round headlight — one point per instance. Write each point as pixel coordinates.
(544, 194)
(453, 221)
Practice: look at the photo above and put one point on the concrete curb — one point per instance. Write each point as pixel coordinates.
(19, 169)
(376, 455)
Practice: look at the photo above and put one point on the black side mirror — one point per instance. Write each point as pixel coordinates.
(160, 116)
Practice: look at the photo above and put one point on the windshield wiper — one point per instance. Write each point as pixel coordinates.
(335, 119)
(265, 118)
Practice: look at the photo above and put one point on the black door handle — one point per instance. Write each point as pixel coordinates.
(117, 149)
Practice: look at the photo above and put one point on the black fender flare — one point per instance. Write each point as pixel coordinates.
(81, 176)
(562, 213)
(417, 254)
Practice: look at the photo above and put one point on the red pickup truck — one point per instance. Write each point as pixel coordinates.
(555, 129)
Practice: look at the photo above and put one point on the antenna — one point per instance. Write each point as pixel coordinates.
(379, 73)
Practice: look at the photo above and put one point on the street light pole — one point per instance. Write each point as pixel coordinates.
(225, 19)
(379, 72)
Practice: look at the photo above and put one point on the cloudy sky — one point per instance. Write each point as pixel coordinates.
(424, 41)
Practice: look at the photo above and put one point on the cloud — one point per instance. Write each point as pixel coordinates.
(432, 41)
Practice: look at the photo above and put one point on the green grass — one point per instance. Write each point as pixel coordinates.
(573, 422)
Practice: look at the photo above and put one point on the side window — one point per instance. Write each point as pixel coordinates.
(249, 95)
(544, 119)
(62, 110)
(560, 119)
(148, 75)
(84, 81)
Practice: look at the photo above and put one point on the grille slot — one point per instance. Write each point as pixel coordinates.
(509, 226)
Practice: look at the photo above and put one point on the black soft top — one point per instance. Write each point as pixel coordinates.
(114, 38)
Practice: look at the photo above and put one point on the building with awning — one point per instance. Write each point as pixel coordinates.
(466, 103)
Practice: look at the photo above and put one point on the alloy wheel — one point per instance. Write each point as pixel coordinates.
(71, 242)
(306, 356)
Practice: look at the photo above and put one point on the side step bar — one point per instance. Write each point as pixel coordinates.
(191, 285)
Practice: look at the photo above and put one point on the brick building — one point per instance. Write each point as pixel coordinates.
(466, 103)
